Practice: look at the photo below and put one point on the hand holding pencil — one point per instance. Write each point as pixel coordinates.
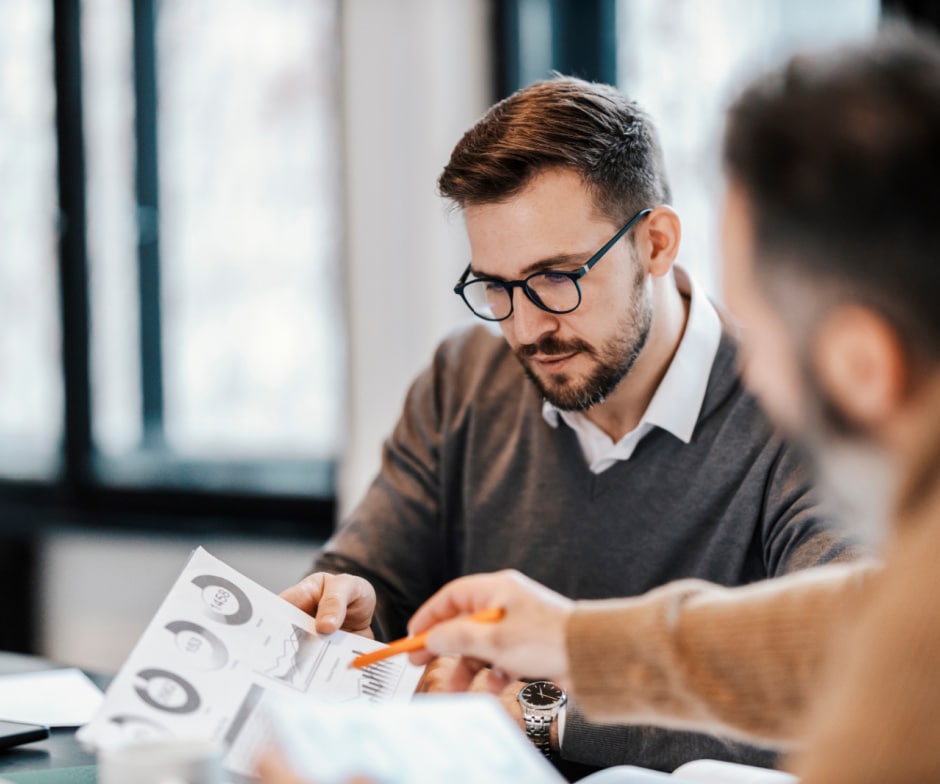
(419, 641)
(528, 640)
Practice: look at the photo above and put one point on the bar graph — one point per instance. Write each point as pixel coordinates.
(379, 681)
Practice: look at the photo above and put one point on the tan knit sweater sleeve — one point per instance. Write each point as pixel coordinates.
(692, 655)
(876, 722)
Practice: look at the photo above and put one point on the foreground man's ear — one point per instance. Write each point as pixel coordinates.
(861, 364)
(663, 232)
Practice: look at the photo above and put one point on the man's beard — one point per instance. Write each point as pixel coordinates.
(614, 359)
(855, 478)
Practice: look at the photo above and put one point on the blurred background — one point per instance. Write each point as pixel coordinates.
(223, 259)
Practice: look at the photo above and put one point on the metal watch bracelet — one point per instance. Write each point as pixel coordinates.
(539, 730)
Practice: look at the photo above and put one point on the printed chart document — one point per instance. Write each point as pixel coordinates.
(218, 648)
(457, 739)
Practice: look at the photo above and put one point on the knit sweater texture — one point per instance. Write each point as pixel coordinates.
(745, 662)
(841, 664)
(473, 480)
(874, 720)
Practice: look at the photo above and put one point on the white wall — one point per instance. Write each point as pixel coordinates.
(99, 591)
(416, 76)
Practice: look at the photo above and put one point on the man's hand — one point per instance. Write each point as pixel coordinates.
(442, 673)
(337, 601)
(529, 642)
(445, 672)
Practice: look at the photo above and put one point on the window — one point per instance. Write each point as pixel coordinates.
(682, 61)
(228, 366)
(188, 335)
(30, 359)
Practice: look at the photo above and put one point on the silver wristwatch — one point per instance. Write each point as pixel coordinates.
(541, 701)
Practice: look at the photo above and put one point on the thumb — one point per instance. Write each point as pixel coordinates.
(347, 602)
(331, 610)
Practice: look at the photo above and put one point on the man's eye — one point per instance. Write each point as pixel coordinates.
(493, 286)
(555, 277)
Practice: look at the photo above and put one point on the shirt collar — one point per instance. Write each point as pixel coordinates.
(678, 399)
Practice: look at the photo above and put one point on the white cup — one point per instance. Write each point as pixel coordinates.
(162, 762)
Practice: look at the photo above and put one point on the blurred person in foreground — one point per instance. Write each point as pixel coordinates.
(832, 250)
(597, 437)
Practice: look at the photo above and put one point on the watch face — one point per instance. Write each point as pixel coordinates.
(542, 694)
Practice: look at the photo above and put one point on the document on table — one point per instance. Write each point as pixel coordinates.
(458, 739)
(218, 648)
(56, 698)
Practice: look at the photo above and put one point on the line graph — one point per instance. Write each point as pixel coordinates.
(302, 655)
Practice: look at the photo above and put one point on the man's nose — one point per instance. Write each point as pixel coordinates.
(528, 321)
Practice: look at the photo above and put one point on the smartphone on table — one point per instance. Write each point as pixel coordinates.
(13, 733)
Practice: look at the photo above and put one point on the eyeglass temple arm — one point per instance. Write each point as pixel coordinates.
(462, 279)
(611, 242)
(590, 262)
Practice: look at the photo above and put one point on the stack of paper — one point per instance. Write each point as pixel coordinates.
(219, 647)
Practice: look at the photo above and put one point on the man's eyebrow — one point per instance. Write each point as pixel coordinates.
(572, 260)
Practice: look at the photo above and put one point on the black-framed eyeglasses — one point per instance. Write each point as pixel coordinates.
(552, 290)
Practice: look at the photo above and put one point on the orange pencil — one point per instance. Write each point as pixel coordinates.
(416, 643)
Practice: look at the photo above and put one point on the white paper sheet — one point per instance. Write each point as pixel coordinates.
(706, 771)
(457, 739)
(219, 646)
(56, 698)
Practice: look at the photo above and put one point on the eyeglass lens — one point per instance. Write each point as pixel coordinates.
(549, 290)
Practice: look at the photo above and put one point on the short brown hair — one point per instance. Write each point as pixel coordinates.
(839, 157)
(562, 122)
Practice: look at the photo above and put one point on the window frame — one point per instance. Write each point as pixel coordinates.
(583, 42)
(189, 496)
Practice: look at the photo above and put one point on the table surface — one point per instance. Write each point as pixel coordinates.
(60, 749)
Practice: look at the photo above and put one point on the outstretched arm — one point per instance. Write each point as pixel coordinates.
(689, 655)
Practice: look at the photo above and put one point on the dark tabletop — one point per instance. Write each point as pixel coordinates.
(60, 750)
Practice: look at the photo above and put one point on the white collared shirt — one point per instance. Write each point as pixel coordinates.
(678, 399)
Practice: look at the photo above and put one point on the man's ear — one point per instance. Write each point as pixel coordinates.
(861, 364)
(663, 232)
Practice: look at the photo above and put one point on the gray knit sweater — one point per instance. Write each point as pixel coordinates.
(473, 479)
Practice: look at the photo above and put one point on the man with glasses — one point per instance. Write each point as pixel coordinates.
(556, 291)
(603, 445)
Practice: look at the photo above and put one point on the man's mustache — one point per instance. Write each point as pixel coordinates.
(551, 346)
